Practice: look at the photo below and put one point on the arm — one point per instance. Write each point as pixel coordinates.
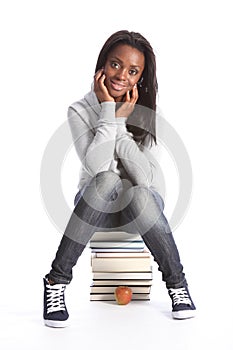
(135, 161)
(95, 150)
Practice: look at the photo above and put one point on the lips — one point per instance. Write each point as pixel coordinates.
(117, 86)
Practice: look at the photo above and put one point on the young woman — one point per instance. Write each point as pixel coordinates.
(113, 128)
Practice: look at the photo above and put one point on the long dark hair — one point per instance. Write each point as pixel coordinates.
(142, 121)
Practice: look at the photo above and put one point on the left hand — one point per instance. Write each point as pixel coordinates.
(127, 106)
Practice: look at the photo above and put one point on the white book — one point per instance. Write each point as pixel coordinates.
(130, 254)
(121, 264)
(115, 236)
(117, 244)
(123, 275)
(117, 250)
(136, 282)
(111, 297)
(111, 289)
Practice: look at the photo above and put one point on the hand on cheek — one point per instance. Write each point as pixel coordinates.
(127, 107)
(100, 89)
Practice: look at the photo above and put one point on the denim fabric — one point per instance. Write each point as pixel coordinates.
(109, 203)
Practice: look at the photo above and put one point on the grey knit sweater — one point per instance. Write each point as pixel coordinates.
(101, 140)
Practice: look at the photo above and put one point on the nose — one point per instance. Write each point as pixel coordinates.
(122, 74)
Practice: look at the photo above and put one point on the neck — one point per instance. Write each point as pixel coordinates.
(119, 99)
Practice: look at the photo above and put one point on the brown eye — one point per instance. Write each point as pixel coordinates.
(115, 65)
(133, 72)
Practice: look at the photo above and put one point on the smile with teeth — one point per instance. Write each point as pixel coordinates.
(117, 86)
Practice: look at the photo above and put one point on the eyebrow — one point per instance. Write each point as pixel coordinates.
(118, 59)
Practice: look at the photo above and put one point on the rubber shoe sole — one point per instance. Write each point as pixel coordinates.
(56, 324)
(183, 314)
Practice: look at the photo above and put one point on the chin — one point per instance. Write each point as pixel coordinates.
(116, 95)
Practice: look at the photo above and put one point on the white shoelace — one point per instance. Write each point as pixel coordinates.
(55, 300)
(180, 296)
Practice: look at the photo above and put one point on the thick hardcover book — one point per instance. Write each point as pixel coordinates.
(115, 236)
(111, 289)
(121, 264)
(130, 254)
(117, 244)
(119, 282)
(123, 275)
(111, 297)
(118, 250)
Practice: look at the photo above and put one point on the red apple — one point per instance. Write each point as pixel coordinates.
(123, 295)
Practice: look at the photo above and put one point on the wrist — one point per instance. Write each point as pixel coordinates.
(121, 120)
(105, 98)
(110, 99)
(118, 116)
(108, 110)
(102, 98)
(123, 113)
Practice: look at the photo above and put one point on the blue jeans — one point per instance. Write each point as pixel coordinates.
(108, 203)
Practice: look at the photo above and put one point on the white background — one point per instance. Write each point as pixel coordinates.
(48, 55)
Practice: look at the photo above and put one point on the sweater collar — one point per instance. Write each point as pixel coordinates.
(92, 100)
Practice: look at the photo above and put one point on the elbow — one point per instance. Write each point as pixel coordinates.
(93, 168)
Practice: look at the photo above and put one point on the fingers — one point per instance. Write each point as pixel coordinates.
(127, 106)
(133, 97)
(98, 74)
(127, 96)
(135, 94)
(100, 88)
(99, 78)
(102, 79)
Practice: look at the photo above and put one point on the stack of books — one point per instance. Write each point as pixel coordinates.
(119, 259)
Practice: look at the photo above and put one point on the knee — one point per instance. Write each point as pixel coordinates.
(106, 182)
(158, 198)
(107, 176)
(142, 194)
(103, 188)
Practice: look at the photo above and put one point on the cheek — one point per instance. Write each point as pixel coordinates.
(107, 71)
(132, 82)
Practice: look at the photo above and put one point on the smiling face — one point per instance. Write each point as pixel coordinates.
(123, 69)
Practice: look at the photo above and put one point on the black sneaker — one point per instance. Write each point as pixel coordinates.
(55, 312)
(182, 304)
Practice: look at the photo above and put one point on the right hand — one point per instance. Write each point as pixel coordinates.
(100, 89)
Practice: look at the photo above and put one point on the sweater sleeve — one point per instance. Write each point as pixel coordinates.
(135, 160)
(95, 149)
